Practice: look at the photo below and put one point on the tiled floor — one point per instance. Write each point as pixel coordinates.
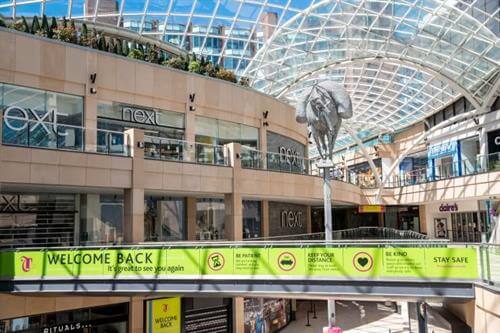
(354, 317)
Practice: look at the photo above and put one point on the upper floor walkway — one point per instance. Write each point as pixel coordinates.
(432, 270)
(120, 159)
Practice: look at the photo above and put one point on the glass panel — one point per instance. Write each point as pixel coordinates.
(164, 219)
(101, 219)
(252, 219)
(210, 219)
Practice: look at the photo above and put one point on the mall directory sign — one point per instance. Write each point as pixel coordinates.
(308, 262)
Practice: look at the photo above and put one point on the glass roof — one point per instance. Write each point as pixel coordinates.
(401, 60)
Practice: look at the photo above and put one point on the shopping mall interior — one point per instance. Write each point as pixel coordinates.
(163, 169)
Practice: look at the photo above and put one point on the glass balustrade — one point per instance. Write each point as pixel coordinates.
(36, 133)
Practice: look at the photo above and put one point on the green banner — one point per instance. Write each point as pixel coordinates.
(243, 262)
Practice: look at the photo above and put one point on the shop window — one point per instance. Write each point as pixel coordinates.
(468, 226)
(266, 314)
(219, 132)
(252, 219)
(210, 223)
(44, 119)
(164, 219)
(39, 220)
(108, 318)
(101, 219)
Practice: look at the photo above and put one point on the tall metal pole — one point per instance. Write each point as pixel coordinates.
(327, 197)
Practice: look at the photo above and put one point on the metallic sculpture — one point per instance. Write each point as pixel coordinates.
(323, 109)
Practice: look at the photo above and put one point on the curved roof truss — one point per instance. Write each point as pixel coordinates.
(400, 60)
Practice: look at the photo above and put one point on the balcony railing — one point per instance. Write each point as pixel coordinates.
(19, 131)
(183, 151)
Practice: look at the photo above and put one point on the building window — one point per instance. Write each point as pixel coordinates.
(210, 223)
(101, 219)
(164, 219)
(252, 219)
(220, 132)
(28, 220)
(468, 226)
(38, 118)
(109, 318)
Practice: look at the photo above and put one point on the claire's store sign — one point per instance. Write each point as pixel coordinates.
(140, 116)
(18, 119)
(444, 207)
(297, 262)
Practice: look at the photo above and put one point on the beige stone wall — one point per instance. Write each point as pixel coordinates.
(486, 311)
(14, 306)
(52, 65)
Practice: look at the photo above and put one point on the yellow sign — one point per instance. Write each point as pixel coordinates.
(371, 209)
(164, 315)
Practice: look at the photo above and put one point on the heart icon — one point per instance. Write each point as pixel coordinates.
(363, 261)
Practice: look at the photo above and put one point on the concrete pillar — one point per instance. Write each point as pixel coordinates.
(423, 221)
(136, 315)
(265, 218)
(191, 218)
(308, 220)
(263, 137)
(90, 215)
(233, 201)
(190, 136)
(238, 315)
(134, 196)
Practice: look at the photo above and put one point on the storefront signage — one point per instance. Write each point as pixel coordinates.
(494, 141)
(442, 149)
(32, 119)
(291, 219)
(245, 262)
(289, 156)
(65, 328)
(444, 207)
(164, 315)
(140, 116)
(371, 209)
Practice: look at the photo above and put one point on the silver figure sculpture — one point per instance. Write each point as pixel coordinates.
(323, 109)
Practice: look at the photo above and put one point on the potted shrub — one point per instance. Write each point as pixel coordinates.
(177, 62)
(244, 81)
(136, 54)
(226, 75)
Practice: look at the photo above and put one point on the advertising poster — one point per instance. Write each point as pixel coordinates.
(164, 315)
(198, 263)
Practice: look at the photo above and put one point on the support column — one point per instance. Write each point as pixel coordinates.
(190, 136)
(238, 315)
(308, 220)
(233, 219)
(134, 196)
(265, 218)
(136, 315)
(191, 218)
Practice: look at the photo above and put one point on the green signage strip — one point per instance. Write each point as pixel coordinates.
(234, 263)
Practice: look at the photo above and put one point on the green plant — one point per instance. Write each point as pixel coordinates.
(2, 23)
(35, 25)
(53, 27)
(26, 27)
(65, 34)
(136, 54)
(119, 47)
(125, 48)
(226, 75)
(194, 66)
(18, 25)
(211, 69)
(152, 54)
(45, 27)
(177, 62)
(244, 81)
(101, 43)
